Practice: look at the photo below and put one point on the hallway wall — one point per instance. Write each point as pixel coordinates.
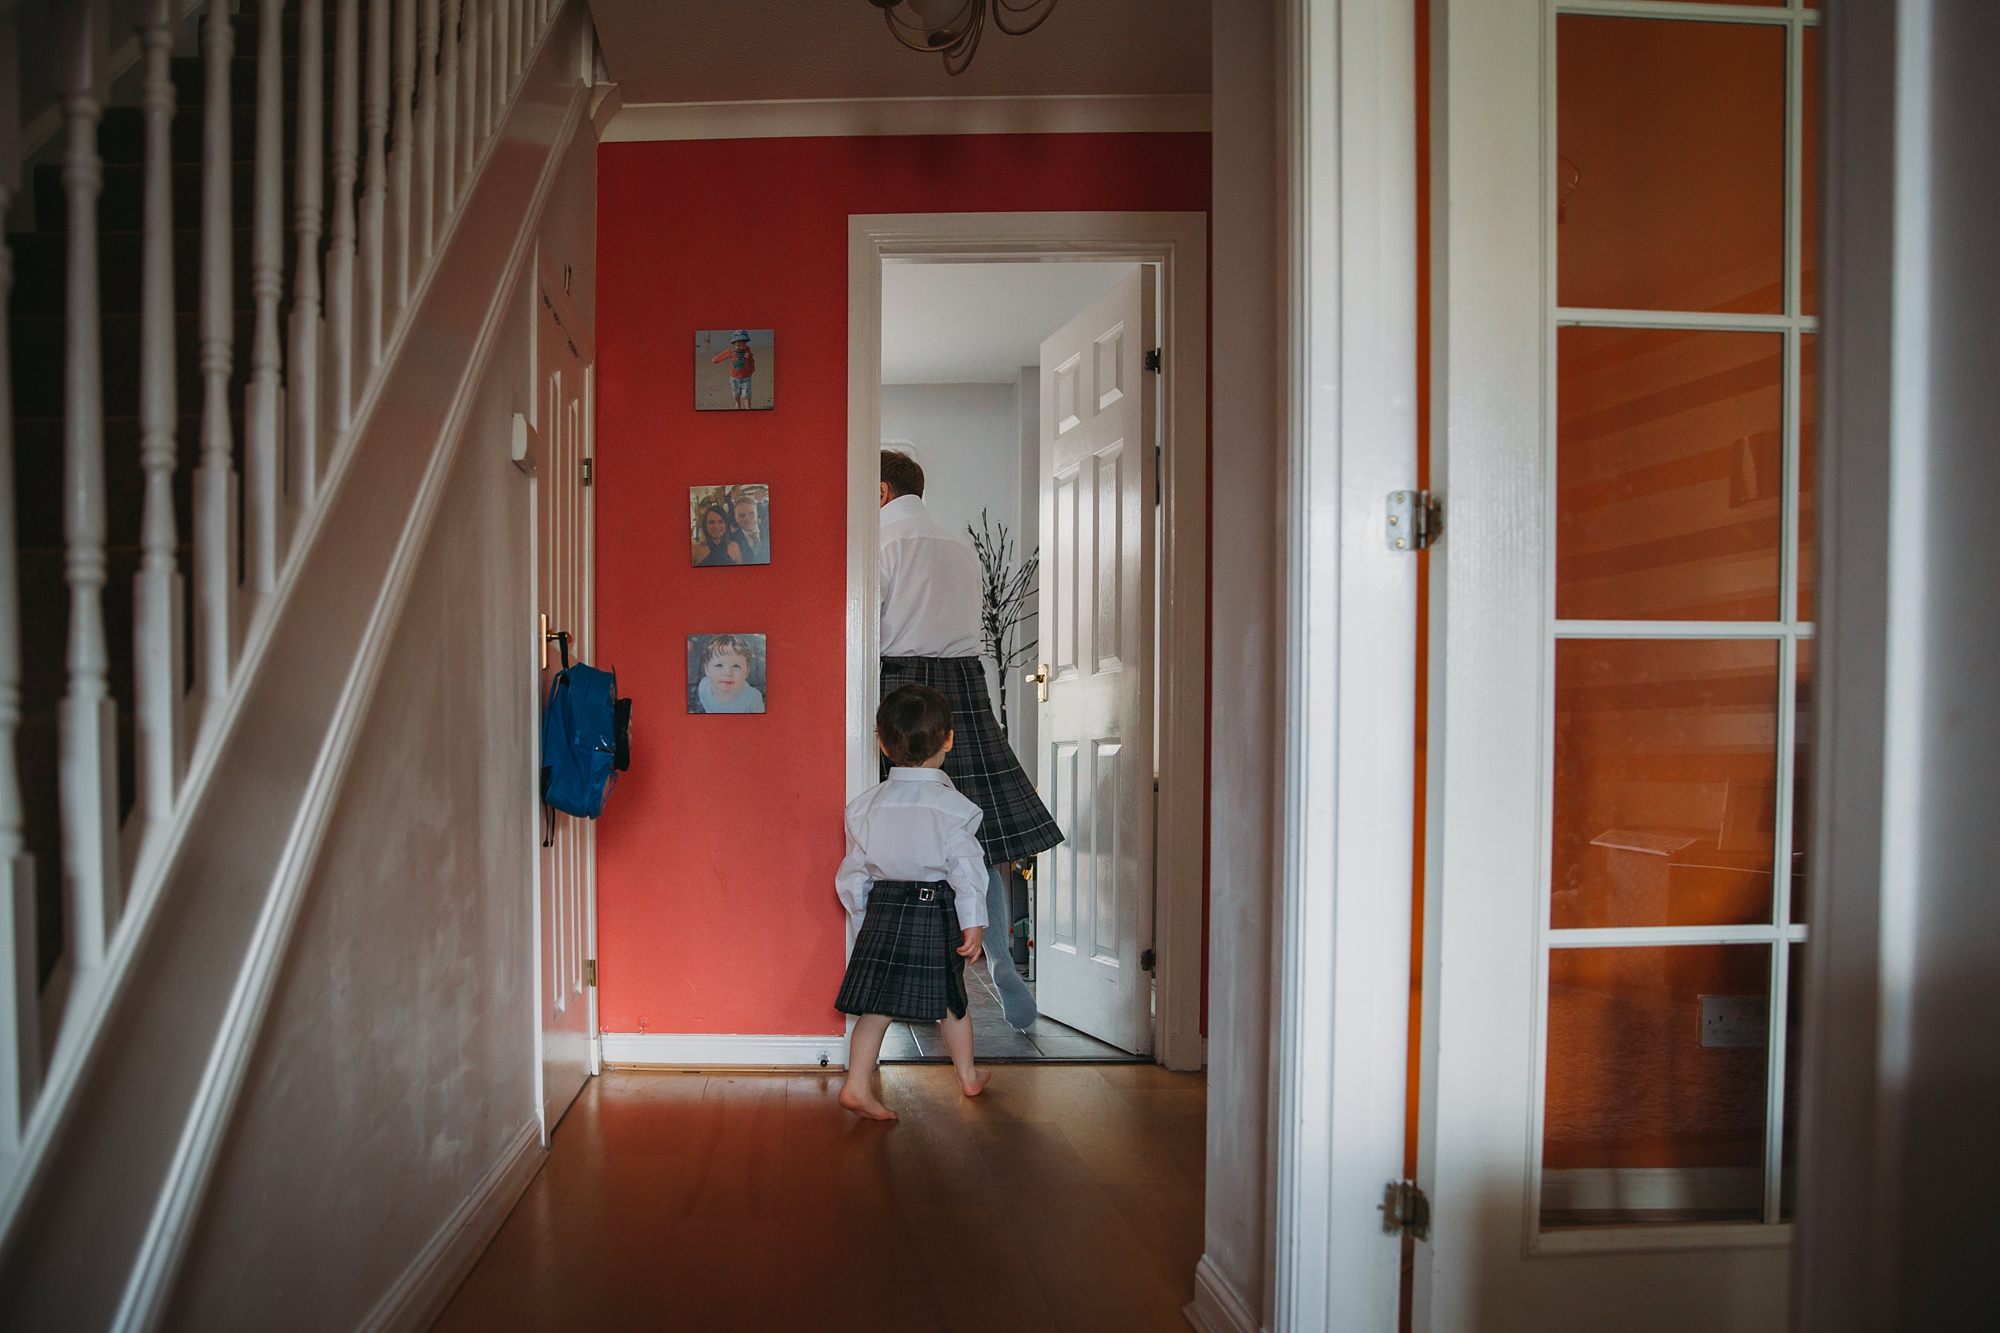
(715, 860)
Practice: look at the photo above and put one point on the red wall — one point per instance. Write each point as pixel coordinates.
(716, 855)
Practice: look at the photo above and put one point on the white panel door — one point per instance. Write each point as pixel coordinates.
(1617, 647)
(566, 864)
(1094, 904)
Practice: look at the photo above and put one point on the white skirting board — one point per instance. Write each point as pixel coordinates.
(432, 1278)
(1217, 1306)
(710, 1050)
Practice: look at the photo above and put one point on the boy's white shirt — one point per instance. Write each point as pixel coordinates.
(915, 826)
(931, 585)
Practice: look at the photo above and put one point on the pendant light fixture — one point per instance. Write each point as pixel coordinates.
(953, 27)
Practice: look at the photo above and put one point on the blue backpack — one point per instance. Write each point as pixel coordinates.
(586, 738)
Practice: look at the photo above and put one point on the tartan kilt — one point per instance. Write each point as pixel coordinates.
(906, 962)
(981, 764)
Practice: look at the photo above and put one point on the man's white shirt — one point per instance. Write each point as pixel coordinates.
(931, 586)
(915, 826)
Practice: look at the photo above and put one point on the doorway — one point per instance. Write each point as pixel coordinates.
(950, 327)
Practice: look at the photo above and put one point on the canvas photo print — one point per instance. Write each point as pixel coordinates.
(733, 369)
(731, 525)
(726, 673)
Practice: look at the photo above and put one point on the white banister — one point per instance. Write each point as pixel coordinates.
(401, 161)
(340, 322)
(87, 779)
(214, 479)
(303, 366)
(448, 114)
(375, 184)
(424, 224)
(156, 594)
(267, 285)
(20, 1026)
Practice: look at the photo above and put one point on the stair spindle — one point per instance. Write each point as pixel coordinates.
(475, 84)
(88, 723)
(215, 478)
(302, 396)
(375, 183)
(401, 157)
(448, 116)
(20, 1010)
(156, 595)
(267, 284)
(340, 322)
(423, 227)
(503, 54)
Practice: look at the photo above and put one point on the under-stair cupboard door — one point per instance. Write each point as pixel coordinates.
(1094, 900)
(1621, 635)
(566, 866)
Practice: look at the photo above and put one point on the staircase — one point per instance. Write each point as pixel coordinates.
(253, 469)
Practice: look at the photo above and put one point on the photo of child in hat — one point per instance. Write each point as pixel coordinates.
(733, 369)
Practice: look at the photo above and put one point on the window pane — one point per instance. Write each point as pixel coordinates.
(1802, 760)
(1809, 176)
(1671, 172)
(1669, 474)
(1808, 464)
(1665, 777)
(1655, 1095)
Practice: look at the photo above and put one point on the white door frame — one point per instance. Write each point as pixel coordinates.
(1349, 645)
(1178, 243)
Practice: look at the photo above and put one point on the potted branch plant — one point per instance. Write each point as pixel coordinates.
(1003, 602)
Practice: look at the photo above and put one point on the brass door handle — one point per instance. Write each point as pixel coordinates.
(1040, 680)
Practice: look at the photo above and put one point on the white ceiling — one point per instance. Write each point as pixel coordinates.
(757, 50)
(979, 323)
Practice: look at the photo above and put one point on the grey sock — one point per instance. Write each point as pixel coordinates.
(1017, 1002)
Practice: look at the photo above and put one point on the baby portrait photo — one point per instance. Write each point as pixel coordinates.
(731, 524)
(733, 368)
(726, 673)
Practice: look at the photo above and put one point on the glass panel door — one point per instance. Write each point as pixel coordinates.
(1679, 628)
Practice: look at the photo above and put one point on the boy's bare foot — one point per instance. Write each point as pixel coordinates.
(977, 1084)
(865, 1106)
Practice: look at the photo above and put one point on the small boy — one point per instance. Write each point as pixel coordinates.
(742, 365)
(915, 880)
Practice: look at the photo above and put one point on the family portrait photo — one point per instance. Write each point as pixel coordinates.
(733, 369)
(726, 673)
(731, 525)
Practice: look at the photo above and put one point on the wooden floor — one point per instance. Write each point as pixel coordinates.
(1068, 1197)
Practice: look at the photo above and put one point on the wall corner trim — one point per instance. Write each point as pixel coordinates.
(820, 118)
(439, 1269)
(723, 1050)
(1217, 1306)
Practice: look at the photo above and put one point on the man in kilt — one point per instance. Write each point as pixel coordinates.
(931, 588)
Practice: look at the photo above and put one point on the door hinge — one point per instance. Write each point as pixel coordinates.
(588, 470)
(590, 971)
(1406, 1208)
(1416, 520)
(1147, 959)
(1153, 360)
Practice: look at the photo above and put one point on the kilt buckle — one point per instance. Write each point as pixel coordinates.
(927, 893)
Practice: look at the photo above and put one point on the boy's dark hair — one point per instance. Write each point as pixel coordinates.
(902, 474)
(913, 723)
